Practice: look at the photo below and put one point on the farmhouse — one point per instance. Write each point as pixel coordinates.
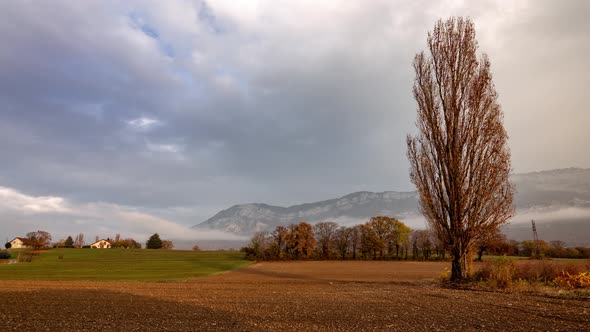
(20, 242)
(102, 244)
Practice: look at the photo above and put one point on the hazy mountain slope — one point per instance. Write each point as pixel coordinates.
(559, 200)
(568, 187)
(248, 218)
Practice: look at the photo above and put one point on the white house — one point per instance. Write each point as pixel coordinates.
(20, 242)
(101, 244)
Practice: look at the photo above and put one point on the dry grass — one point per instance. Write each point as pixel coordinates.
(545, 277)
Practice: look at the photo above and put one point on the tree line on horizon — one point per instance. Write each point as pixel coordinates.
(386, 238)
(381, 237)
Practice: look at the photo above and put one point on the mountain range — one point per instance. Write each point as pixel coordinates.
(558, 200)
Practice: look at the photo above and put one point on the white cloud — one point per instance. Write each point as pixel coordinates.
(16, 201)
(165, 148)
(143, 123)
(61, 218)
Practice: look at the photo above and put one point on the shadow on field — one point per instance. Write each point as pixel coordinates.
(306, 277)
(280, 275)
(91, 310)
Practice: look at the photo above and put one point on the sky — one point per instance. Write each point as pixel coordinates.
(137, 117)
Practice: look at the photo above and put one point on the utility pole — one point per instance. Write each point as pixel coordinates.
(535, 252)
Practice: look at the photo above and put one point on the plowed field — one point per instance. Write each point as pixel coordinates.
(295, 296)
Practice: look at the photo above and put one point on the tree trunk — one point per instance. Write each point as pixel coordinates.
(480, 253)
(459, 264)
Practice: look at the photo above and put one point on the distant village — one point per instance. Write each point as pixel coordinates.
(43, 240)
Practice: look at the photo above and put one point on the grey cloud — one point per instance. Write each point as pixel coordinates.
(280, 104)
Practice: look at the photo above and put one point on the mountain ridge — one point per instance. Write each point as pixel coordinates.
(536, 192)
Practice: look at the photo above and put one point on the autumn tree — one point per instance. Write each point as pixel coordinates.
(324, 233)
(39, 239)
(378, 234)
(127, 243)
(167, 244)
(79, 242)
(422, 244)
(490, 240)
(400, 237)
(279, 236)
(459, 159)
(342, 240)
(300, 241)
(355, 239)
(259, 246)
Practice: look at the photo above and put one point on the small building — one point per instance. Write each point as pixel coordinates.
(20, 242)
(101, 244)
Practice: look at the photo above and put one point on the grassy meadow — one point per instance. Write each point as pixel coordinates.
(122, 265)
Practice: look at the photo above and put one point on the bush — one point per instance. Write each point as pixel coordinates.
(86, 246)
(544, 271)
(499, 272)
(579, 280)
(5, 254)
(8, 245)
(502, 273)
(25, 257)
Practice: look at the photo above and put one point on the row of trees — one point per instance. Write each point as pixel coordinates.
(535, 249)
(386, 238)
(380, 238)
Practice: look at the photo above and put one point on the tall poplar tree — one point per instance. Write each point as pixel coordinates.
(459, 160)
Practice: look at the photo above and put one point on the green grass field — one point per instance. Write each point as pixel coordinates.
(122, 265)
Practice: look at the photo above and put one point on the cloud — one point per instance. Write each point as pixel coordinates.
(143, 123)
(61, 217)
(550, 213)
(168, 148)
(13, 200)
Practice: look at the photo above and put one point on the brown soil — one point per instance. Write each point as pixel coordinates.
(294, 296)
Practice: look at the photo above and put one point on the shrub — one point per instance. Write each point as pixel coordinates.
(544, 271)
(8, 245)
(499, 272)
(25, 257)
(502, 273)
(567, 280)
(5, 254)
